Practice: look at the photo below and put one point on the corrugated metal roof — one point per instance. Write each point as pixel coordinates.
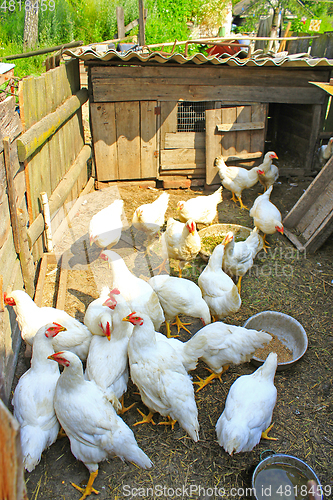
(239, 59)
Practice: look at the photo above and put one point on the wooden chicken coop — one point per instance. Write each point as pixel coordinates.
(166, 117)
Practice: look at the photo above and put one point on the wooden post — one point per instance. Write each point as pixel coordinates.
(26, 259)
(11, 194)
(120, 22)
(47, 222)
(12, 485)
(141, 24)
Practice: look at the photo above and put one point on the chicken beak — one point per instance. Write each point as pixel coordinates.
(125, 319)
(51, 357)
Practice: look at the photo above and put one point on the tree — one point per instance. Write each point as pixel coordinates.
(30, 35)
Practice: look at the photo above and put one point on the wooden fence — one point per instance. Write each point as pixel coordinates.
(41, 150)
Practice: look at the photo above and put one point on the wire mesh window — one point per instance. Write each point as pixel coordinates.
(191, 116)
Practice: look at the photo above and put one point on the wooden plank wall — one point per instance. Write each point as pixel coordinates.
(45, 168)
(207, 83)
(41, 172)
(125, 140)
(10, 270)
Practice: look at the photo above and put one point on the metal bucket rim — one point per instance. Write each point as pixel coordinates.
(283, 455)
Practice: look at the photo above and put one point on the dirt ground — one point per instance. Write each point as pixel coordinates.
(282, 280)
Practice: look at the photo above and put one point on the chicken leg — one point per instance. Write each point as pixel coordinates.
(88, 490)
(168, 329)
(170, 421)
(146, 418)
(124, 408)
(203, 382)
(180, 325)
(264, 434)
(241, 203)
(239, 284)
(161, 267)
(265, 244)
(233, 197)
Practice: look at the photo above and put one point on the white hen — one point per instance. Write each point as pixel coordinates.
(269, 173)
(238, 256)
(236, 179)
(248, 409)
(105, 226)
(180, 242)
(33, 399)
(75, 337)
(227, 344)
(266, 216)
(179, 296)
(107, 361)
(218, 289)
(94, 429)
(325, 152)
(201, 208)
(150, 217)
(138, 294)
(158, 372)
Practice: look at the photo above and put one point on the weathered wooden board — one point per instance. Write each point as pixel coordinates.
(12, 485)
(312, 215)
(230, 127)
(243, 138)
(10, 123)
(103, 123)
(168, 120)
(174, 140)
(148, 137)
(259, 112)
(111, 92)
(228, 141)
(183, 158)
(208, 75)
(128, 139)
(213, 144)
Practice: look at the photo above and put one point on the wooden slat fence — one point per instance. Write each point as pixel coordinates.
(41, 150)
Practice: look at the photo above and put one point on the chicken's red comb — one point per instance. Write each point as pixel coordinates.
(190, 224)
(114, 291)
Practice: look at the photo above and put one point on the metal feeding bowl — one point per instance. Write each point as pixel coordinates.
(281, 476)
(214, 235)
(288, 331)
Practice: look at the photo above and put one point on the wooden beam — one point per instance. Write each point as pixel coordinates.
(231, 127)
(38, 134)
(61, 192)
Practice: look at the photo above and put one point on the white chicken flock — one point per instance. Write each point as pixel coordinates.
(120, 337)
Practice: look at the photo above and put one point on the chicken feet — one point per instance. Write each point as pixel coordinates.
(203, 382)
(264, 435)
(161, 267)
(146, 418)
(241, 204)
(124, 408)
(168, 329)
(88, 490)
(170, 421)
(180, 325)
